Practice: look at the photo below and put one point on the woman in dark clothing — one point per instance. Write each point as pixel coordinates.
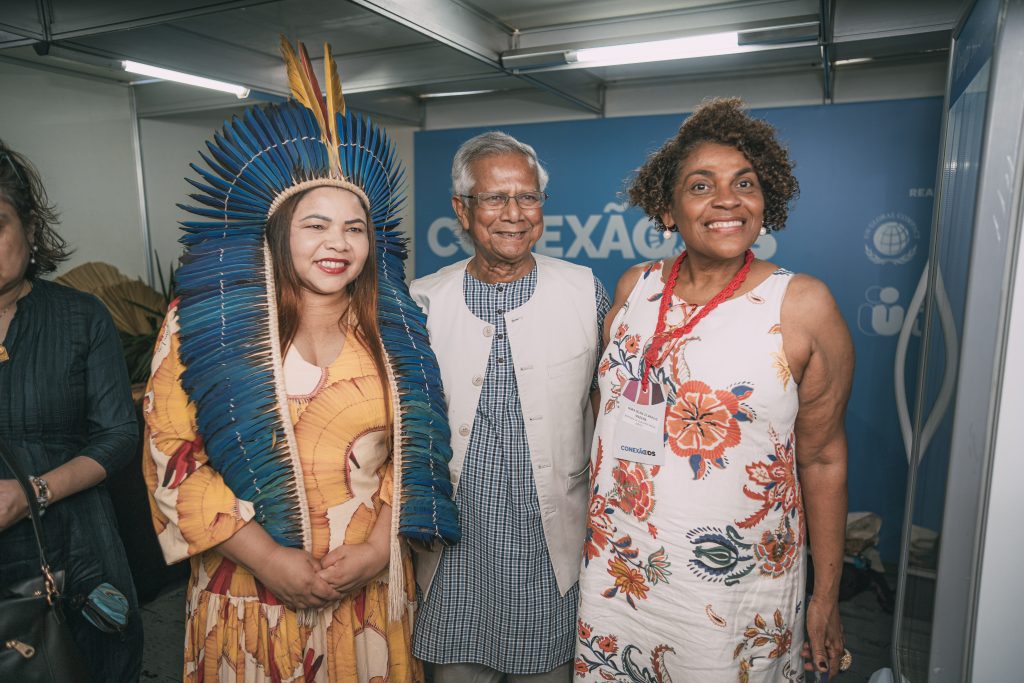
(66, 413)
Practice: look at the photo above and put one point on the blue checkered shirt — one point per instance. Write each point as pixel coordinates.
(494, 600)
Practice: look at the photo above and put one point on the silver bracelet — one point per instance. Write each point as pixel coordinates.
(43, 497)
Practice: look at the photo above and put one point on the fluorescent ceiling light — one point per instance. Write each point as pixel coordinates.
(461, 93)
(661, 50)
(855, 60)
(188, 79)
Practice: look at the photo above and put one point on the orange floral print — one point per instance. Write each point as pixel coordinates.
(628, 580)
(583, 629)
(759, 635)
(634, 490)
(581, 668)
(608, 644)
(776, 478)
(599, 523)
(778, 550)
(702, 424)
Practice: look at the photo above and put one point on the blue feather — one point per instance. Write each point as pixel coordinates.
(225, 331)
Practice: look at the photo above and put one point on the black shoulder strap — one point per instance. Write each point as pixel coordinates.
(33, 506)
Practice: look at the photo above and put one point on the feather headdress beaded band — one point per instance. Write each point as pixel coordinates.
(229, 337)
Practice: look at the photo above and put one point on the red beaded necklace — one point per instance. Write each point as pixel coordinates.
(653, 356)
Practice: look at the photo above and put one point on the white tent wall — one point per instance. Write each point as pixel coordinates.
(79, 134)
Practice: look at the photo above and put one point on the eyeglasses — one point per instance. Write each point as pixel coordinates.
(5, 157)
(499, 200)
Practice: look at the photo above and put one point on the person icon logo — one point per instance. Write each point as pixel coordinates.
(881, 315)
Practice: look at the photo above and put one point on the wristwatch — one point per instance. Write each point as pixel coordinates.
(43, 495)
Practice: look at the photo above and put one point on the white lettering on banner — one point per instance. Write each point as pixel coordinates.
(597, 236)
(616, 237)
(451, 244)
(582, 233)
(548, 242)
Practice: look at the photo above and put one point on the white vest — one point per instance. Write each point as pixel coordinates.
(553, 338)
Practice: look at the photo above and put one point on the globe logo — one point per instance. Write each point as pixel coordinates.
(891, 238)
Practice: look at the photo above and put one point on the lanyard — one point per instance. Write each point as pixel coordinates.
(653, 356)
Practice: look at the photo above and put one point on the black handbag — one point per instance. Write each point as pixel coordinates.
(36, 644)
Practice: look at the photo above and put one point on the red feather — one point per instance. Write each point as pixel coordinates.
(308, 68)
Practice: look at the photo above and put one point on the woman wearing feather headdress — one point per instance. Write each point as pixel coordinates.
(295, 421)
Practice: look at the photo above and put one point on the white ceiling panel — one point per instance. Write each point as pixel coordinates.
(390, 52)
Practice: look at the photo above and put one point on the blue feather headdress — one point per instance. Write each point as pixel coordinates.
(229, 337)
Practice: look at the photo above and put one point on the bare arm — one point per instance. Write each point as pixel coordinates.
(289, 573)
(77, 474)
(820, 353)
(622, 291)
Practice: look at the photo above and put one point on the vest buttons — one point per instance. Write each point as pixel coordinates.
(488, 331)
(478, 380)
(464, 430)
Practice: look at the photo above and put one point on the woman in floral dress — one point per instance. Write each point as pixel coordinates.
(719, 449)
(258, 610)
(295, 423)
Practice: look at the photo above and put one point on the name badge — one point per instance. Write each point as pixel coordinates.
(640, 425)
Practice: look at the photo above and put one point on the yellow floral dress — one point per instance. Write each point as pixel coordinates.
(236, 629)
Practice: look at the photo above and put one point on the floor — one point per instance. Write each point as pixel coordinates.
(163, 622)
(868, 632)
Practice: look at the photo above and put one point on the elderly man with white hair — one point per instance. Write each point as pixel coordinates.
(517, 336)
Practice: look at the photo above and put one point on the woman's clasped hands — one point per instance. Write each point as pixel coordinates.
(301, 581)
(292, 576)
(350, 567)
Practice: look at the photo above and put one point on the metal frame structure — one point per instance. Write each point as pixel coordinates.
(441, 43)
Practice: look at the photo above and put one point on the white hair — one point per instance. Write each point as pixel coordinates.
(488, 144)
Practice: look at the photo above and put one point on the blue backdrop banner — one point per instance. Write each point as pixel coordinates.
(862, 224)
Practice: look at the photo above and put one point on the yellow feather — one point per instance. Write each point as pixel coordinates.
(302, 90)
(335, 98)
(291, 62)
(335, 104)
